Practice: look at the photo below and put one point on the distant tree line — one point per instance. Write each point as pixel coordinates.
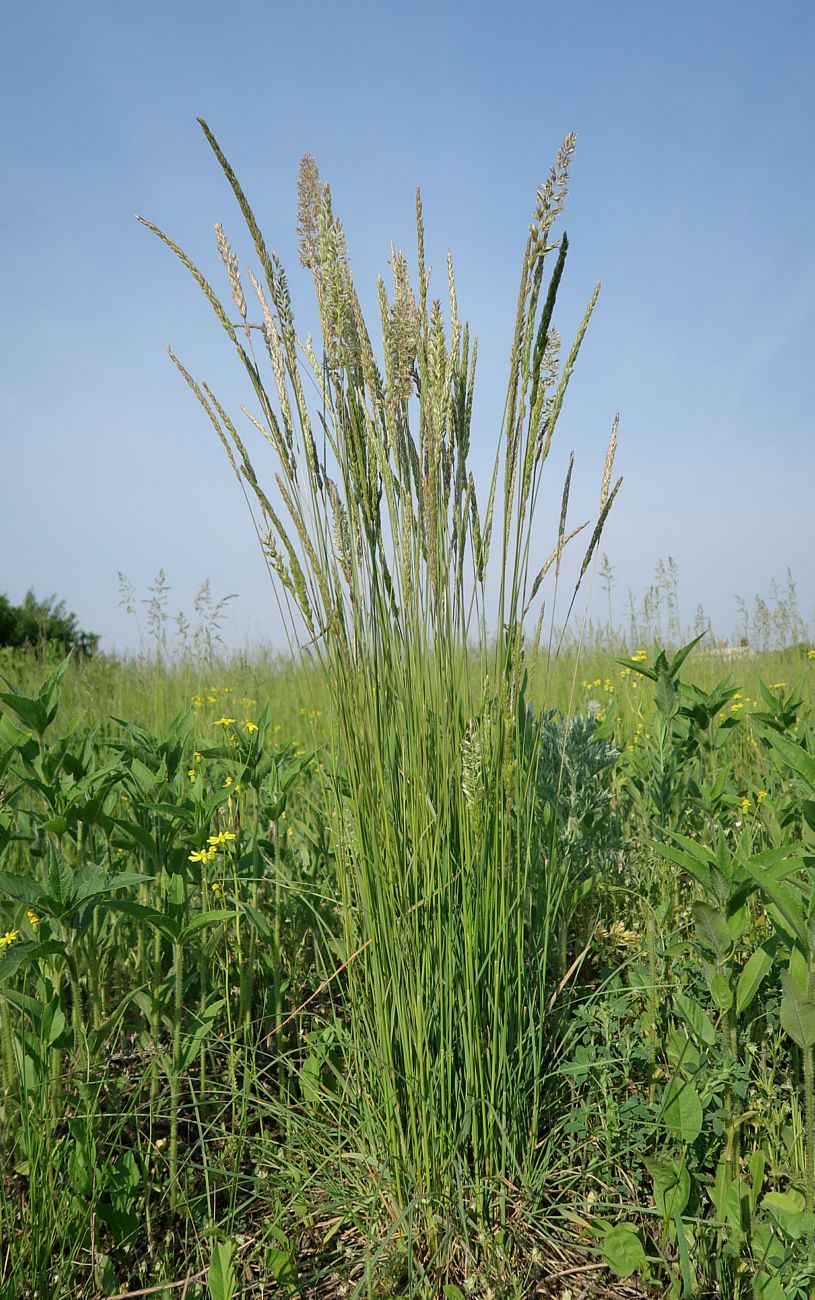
(41, 623)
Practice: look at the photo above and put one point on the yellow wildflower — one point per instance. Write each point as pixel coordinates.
(777, 686)
(811, 653)
(223, 722)
(213, 699)
(745, 803)
(251, 726)
(761, 795)
(216, 887)
(33, 919)
(191, 773)
(8, 938)
(229, 780)
(221, 838)
(202, 855)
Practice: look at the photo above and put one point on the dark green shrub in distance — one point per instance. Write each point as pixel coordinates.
(44, 622)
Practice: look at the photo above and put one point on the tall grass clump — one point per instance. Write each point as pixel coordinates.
(381, 546)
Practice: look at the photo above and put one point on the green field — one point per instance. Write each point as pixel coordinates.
(438, 960)
(183, 997)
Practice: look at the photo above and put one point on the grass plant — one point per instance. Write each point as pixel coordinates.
(431, 962)
(450, 889)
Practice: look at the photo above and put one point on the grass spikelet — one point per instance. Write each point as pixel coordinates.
(598, 529)
(309, 202)
(564, 506)
(230, 260)
(609, 462)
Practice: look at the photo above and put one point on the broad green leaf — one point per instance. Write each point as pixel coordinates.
(665, 695)
(81, 1168)
(799, 969)
(699, 870)
(221, 1280)
(787, 1208)
(773, 859)
(60, 880)
(671, 1185)
(280, 1259)
(134, 833)
(731, 1197)
(193, 1041)
(26, 950)
(205, 919)
(682, 1054)
(769, 1288)
(21, 888)
(794, 756)
(719, 986)
(756, 1166)
(52, 1024)
(624, 1251)
(797, 1013)
(682, 654)
(55, 826)
(126, 879)
(32, 712)
(696, 1018)
(147, 915)
(785, 898)
(712, 929)
(758, 965)
(791, 1202)
(106, 1279)
(682, 1111)
(737, 913)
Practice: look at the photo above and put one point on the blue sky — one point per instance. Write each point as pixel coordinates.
(691, 199)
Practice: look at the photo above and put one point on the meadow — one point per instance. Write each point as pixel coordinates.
(183, 1093)
(446, 957)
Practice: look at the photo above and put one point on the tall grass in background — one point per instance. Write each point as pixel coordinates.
(380, 544)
